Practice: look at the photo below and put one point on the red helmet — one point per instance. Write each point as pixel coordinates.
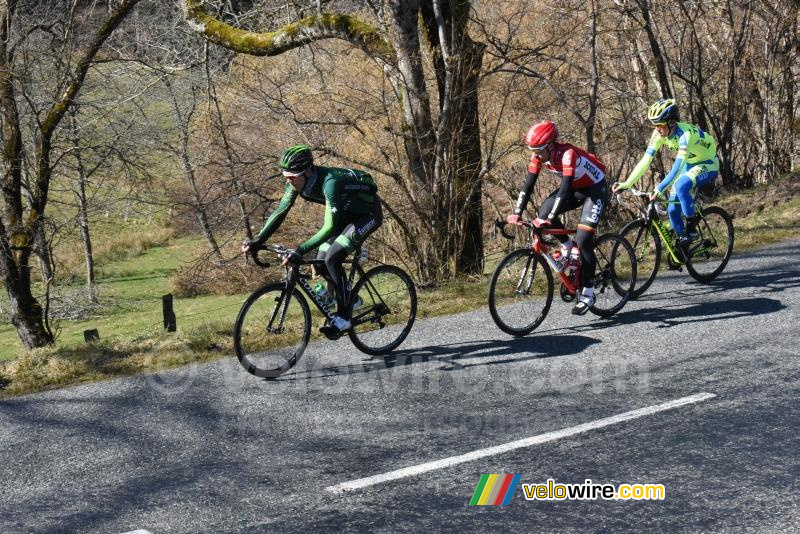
(540, 134)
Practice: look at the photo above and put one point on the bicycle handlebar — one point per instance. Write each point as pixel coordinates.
(253, 251)
(501, 226)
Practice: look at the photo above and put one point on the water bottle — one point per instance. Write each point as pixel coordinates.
(574, 260)
(322, 291)
(575, 255)
(556, 260)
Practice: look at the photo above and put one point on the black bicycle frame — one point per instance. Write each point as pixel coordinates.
(295, 278)
(652, 219)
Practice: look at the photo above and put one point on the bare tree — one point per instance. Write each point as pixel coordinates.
(21, 220)
(442, 153)
(198, 202)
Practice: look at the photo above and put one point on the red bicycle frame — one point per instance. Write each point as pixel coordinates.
(539, 246)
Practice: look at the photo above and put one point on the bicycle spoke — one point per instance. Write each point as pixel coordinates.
(713, 249)
(647, 248)
(615, 275)
(520, 292)
(389, 307)
(272, 331)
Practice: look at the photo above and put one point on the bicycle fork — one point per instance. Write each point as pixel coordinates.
(281, 307)
(527, 289)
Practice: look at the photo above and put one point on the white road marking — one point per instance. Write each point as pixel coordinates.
(519, 444)
(140, 531)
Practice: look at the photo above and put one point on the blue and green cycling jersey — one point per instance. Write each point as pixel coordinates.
(692, 144)
(342, 191)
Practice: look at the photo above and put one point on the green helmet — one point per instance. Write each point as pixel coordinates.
(296, 158)
(662, 111)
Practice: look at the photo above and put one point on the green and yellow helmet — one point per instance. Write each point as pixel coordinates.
(296, 159)
(662, 111)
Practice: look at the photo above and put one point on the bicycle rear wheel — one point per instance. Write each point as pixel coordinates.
(711, 252)
(647, 248)
(615, 275)
(272, 331)
(387, 312)
(520, 292)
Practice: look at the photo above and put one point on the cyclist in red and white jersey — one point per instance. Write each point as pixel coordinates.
(583, 183)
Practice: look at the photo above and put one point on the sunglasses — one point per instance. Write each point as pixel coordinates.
(538, 149)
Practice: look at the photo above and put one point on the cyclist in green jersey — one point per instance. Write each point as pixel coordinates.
(696, 165)
(352, 212)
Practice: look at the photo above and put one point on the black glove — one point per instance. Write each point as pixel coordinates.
(292, 256)
(252, 244)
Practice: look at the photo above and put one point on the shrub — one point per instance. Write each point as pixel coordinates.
(207, 278)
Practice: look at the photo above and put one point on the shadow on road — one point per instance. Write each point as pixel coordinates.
(553, 342)
(760, 282)
(456, 356)
(672, 315)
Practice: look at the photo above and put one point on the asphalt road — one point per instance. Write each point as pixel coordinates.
(209, 448)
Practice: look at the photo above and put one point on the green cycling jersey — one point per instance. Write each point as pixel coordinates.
(340, 190)
(692, 144)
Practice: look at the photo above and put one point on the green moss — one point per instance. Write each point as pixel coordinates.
(324, 26)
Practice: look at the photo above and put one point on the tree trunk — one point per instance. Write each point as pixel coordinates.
(83, 208)
(468, 160)
(198, 204)
(655, 48)
(83, 222)
(42, 251)
(26, 314)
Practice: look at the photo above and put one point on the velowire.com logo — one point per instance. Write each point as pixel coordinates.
(495, 489)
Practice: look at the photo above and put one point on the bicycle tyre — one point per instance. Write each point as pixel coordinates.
(265, 353)
(615, 274)
(711, 255)
(385, 291)
(647, 248)
(523, 304)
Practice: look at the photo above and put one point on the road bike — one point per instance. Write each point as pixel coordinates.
(522, 286)
(273, 327)
(706, 257)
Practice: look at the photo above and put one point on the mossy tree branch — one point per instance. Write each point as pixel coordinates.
(294, 35)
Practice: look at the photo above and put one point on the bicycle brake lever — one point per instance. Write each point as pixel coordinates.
(501, 226)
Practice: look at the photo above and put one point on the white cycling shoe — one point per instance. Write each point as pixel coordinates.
(585, 301)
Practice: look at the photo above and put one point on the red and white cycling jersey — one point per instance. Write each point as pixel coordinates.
(568, 160)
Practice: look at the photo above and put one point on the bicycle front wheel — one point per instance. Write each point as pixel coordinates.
(711, 252)
(387, 312)
(647, 248)
(615, 275)
(520, 292)
(272, 331)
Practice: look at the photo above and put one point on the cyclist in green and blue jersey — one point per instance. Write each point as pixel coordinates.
(696, 165)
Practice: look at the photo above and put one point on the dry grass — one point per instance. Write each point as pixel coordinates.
(51, 368)
(117, 246)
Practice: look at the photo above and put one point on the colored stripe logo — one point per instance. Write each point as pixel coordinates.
(495, 489)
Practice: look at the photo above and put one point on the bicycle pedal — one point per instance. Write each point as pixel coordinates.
(331, 333)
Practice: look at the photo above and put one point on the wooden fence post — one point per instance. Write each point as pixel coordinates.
(169, 314)
(92, 335)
